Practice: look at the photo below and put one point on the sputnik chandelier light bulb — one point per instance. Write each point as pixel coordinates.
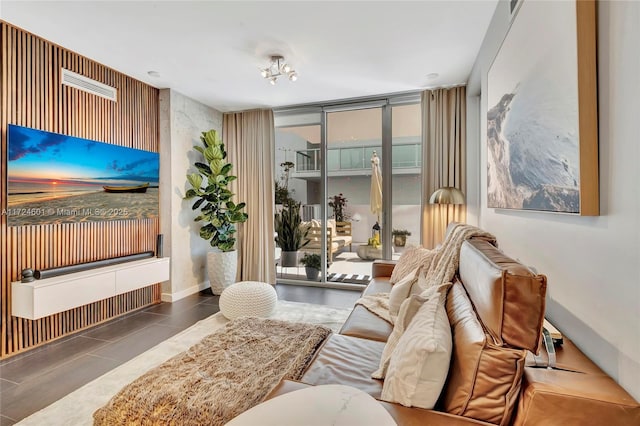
(277, 68)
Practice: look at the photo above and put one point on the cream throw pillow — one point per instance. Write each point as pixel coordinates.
(408, 309)
(411, 259)
(419, 363)
(400, 291)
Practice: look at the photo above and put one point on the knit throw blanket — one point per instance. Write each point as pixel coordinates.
(225, 374)
(377, 304)
(441, 269)
(447, 257)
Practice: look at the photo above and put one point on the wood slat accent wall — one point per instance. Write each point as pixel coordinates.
(31, 95)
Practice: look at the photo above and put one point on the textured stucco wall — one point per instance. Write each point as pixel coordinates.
(182, 120)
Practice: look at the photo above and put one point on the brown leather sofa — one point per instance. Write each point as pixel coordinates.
(496, 310)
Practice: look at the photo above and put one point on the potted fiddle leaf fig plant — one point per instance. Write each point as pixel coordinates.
(218, 212)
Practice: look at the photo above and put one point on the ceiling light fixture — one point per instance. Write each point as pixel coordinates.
(277, 68)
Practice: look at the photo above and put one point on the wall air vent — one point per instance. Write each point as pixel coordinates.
(86, 84)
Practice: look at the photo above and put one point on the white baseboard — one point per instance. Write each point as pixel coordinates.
(174, 297)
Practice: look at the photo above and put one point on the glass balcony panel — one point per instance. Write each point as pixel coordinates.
(358, 158)
(351, 158)
(406, 156)
(333, 160)
(307, 160)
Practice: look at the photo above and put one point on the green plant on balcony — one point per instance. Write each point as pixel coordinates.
(311, 262)
(400, 237)
(282, 194)
(338, 203)
(290, 237)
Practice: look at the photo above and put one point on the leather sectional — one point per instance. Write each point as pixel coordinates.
(496, 310)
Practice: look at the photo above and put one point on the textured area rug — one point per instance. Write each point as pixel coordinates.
(77, 408)
(222, 376)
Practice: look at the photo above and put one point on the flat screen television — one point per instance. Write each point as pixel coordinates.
(54, 178)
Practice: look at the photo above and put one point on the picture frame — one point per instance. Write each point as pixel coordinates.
(542, 118)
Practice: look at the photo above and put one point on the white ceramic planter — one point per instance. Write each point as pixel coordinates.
(312, 273)
(222, 269)
(289, 259)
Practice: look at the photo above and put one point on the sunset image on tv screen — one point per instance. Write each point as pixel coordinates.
(54, 178)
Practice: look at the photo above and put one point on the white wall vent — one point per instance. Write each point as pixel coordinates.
(86, 84)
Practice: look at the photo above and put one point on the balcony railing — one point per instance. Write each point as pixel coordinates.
(404, 156)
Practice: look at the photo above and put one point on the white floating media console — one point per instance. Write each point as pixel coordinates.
(48, 296)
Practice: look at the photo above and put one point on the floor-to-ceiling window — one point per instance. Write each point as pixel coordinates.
(323, 161)
(406, 175)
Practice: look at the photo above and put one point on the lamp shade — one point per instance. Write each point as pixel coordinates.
(447, 195)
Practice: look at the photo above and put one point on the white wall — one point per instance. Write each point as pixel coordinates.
(357, 189)
(405, 216)
(474, 191)
(182, 120)
(592, 263)
(405, 210)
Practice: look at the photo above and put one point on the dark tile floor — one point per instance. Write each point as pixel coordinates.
(35, 379)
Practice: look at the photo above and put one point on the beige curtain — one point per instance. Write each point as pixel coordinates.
(443, 157)
(249, 138)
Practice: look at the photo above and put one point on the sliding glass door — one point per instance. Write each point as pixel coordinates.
(298, 198)
(348, 181)
(354, 138)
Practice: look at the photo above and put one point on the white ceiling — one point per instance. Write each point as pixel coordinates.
(213, 51)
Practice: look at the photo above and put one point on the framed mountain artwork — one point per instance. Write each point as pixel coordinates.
(542, 118)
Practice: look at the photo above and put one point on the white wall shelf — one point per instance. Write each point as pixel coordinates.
(49, 296)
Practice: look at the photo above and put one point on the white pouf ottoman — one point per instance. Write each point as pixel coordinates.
(248, 299)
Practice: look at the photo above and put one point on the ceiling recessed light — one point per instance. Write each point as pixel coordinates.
(433, 75)
(155, 74)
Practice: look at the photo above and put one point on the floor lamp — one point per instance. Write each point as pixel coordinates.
(446, 195)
